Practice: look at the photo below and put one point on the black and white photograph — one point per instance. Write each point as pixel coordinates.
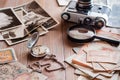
(8, 19)
(17, 40)
(37, 9)
(33, 21)
(20, 12)
(15, 32)
(12, 34)
(42, 30)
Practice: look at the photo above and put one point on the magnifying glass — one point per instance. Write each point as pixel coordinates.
(85, 33)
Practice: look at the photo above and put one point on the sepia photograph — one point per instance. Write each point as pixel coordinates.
(8, 19)
(37, 9)
(20, 12)
(33, 21)
(12, 34)
(15, 41)
(42, 30)
(15, 32)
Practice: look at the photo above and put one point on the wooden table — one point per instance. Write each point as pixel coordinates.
(55, 39)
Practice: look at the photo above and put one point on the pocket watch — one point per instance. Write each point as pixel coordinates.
(38, 50)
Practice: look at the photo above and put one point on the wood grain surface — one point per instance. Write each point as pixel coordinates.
(55, 39)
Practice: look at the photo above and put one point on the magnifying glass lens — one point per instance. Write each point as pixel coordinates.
(81, 33)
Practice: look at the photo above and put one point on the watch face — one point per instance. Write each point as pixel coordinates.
(40, 51)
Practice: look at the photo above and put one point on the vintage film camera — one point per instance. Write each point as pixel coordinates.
(83, 11)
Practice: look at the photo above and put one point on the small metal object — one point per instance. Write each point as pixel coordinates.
(33, 40)
(39, 50)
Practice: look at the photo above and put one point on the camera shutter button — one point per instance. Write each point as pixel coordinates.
(65, 16)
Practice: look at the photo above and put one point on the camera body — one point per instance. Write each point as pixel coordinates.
(88, 14)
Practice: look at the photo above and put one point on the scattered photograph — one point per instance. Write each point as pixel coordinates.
(12, 34)
(33, 19)
(37, 9)
(49, 24)
(31, 22)
(42, 30)
(8, 19)
(108, 35)
(20, 12)
(1, 37)
(7, 55)
(15, 41)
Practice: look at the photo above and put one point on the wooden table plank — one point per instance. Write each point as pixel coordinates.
(53, 39)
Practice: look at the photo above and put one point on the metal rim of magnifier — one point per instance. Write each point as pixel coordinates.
(80, 40)
(89, 28)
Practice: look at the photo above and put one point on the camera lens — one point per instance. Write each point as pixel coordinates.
(99, 22)
(84, 4)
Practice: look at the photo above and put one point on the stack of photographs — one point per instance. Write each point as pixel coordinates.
(18, 23)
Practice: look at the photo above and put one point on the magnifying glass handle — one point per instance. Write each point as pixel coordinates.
(107, 39)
